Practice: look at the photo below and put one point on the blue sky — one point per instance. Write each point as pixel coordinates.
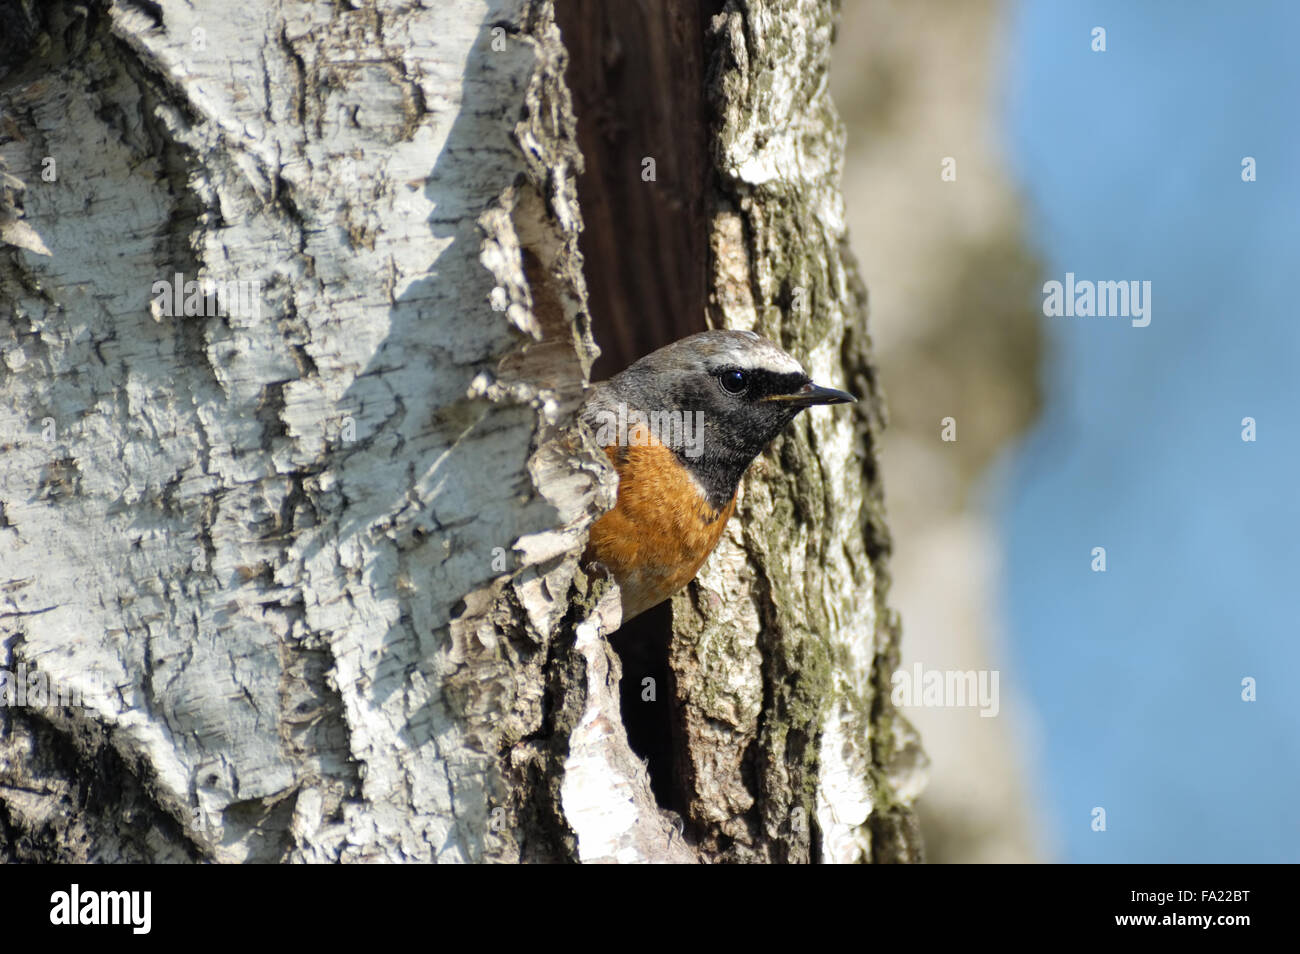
(1129, 162)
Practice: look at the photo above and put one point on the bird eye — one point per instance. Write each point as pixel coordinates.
(733, 382)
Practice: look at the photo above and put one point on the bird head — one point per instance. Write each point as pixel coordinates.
(717, 399)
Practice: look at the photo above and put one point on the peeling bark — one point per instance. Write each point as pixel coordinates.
(257, 527)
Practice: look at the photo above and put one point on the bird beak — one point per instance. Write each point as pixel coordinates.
(811, 394)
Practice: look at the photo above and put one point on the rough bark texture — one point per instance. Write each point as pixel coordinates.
(314, 563)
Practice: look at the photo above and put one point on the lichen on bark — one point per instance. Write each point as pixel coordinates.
(791, 609)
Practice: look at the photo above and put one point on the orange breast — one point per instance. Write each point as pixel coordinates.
(660, 531)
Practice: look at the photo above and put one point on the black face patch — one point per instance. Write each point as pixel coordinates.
(737, 426)
(760, 382)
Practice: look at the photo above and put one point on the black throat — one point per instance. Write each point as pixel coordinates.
(718, 477)
(732, 439)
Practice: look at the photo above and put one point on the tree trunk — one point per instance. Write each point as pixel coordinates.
(291, 500)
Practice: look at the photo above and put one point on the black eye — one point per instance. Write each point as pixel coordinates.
(733, 382)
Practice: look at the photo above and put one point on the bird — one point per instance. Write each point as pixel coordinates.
(681, 426)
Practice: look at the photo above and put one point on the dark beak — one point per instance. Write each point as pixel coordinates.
(811, 394)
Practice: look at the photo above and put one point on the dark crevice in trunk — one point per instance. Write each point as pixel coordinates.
(637, 74)
(647, 707)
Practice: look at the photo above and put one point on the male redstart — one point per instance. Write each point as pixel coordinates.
(681, 426)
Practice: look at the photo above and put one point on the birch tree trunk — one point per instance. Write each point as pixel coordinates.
(293, 324)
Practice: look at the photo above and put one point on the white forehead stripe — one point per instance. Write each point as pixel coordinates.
(712, 350)
(762, 356)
